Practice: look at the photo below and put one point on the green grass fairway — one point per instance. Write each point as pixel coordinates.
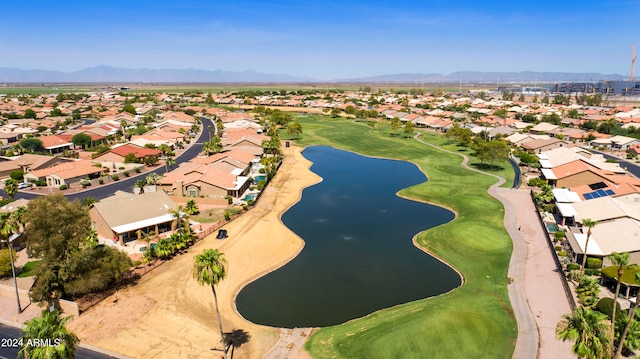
(473, 321)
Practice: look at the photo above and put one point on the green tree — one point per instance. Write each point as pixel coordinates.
(130, 109)
(81, 140)
(395, 125)
(335, 111)
(491, 151)
(29, 113)
(11, 187)
(32, 145)
(621, 262)
(214, 145)
(209, 268)
(294, 129)
(191, 207)
(54, 230)
(588, 330)
(408, 129)
(49, 328)
(589, 224)
(634, 342)
(169, 163)
(588, 291)
(131, 158)
(140, 184)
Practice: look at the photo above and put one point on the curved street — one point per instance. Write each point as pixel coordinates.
(106, 190)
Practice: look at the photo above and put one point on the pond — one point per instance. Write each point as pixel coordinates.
(358, 256)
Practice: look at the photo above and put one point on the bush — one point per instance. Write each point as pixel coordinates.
(137, 169)
(562, 254)
(98, 164)
(126, 173)
(120, 168)
(606, 304)
(17, 176)
(229, 199)
(592, 271)
(41, 183)
(101, 181)
(560, 236)
(594, 263)
(227, 215)
(536, 182)
(262, 171)
(63, 187)
(115, 177)
(557, 248)
(572, 266)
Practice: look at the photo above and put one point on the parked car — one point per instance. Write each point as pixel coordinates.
(222, 234)
(23, 185)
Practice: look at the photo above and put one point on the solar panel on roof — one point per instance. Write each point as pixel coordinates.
(601, 193)
(610, 192)
(588, 196)
(595, 194)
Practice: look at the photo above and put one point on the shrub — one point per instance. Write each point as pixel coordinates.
(115, 177)
(17, 176)
(63, 187)
(572, 266)
(562, 254)
(262, 171)
(41, 183)
(606, 304)
(560, 236)
(98, 164)
(536, 182)
(120, 168)
(594, 263)
(251, 202)
(126, 173)
(229, 199)
(227, 215)
(101, 181)
(592, 271)
(137, 169)
(557, 248)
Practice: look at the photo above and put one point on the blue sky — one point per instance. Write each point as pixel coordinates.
(322, 40)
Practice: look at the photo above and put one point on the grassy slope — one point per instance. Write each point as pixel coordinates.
(474, 320)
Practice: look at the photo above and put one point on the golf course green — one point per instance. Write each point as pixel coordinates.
(472, 321)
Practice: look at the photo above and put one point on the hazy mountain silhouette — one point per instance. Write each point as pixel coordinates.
(111, 74)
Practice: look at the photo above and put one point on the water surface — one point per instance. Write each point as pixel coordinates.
(358, 256)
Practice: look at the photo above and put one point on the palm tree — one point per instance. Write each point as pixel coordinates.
(11, 187)
(140, 185)
(632, 312)
(170, 162)
(209, 268)
(88, 201)
(588, 290)
(51, 329)
(191, 207)
(589, 331)
(621, 261)
(589, 224)
(178, 214)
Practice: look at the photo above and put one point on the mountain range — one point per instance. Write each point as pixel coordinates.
(108, 74)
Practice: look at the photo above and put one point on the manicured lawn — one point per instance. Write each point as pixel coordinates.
(473, 321)
(27, 268)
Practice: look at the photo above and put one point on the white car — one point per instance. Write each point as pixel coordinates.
(23, 185)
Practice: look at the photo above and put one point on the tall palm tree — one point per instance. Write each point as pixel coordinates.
(209, 268)
(621, 261)
(51, 329)
(589, 330)
(632, 313)
(11, 187)
(589, 224)
(178, 215)
(588, 290)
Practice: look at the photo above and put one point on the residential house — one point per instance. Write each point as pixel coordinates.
(118, 154)
(121, 217)
(65, 174)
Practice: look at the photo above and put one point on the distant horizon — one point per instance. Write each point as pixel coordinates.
(324, 41)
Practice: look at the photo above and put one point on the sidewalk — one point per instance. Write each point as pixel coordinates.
(542, 283)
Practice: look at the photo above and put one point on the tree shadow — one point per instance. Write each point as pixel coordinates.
(235, 339)
(487, 167)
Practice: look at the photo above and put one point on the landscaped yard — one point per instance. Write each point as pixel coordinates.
(27, 268)
(473, 321)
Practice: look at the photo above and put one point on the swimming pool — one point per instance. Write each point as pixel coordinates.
(249, 197)
(551, 227)
(257, 179)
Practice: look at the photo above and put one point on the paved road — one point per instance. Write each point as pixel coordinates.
(628, 165)
(127, 184)
(8, 349)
